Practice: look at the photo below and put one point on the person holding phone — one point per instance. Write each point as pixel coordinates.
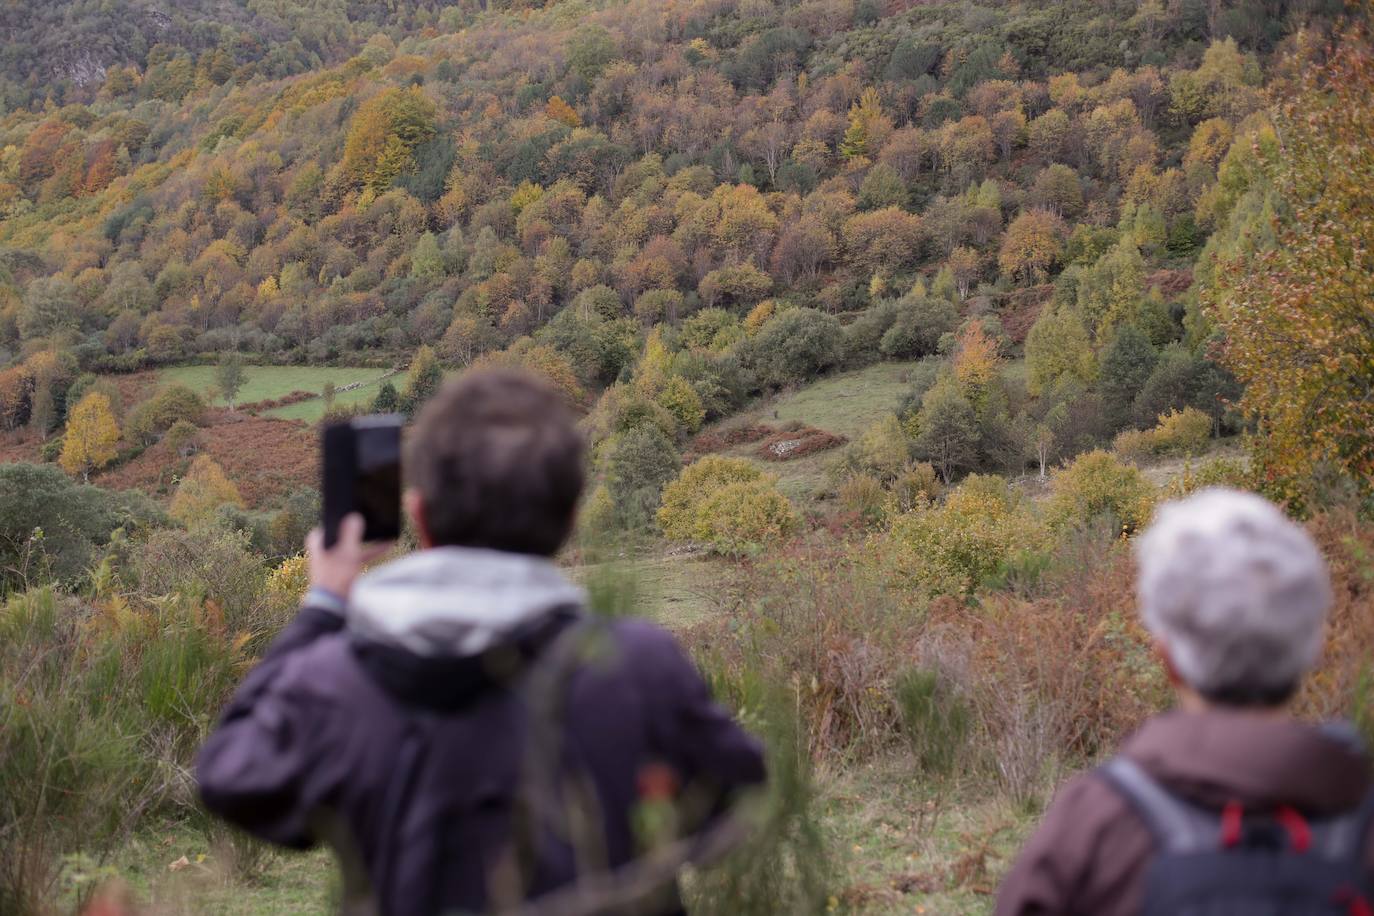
(453, 723)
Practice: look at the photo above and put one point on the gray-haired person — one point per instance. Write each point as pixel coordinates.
(1227, 804)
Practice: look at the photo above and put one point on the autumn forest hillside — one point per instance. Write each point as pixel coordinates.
(888, 324)
(347, 183)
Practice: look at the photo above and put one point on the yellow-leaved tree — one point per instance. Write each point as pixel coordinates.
(1297, 319)
(201, 492)
(92, 435)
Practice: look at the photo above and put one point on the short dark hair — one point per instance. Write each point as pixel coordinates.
(497, 461)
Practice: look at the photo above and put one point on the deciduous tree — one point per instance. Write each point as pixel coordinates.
(91, 437)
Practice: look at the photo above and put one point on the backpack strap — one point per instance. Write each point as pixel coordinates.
(1345, 838)
(1176, 825)
(1179, 826)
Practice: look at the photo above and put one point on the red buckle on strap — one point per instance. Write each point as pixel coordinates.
(1299, 834)
(1232, 818)
(1355, 901)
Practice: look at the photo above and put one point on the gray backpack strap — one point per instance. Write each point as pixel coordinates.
(1176, 825)
(1345, 838)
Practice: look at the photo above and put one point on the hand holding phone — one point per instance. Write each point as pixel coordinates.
(336, 568)
(361, 462)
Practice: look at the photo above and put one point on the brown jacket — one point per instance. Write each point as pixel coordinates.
(1089, 854)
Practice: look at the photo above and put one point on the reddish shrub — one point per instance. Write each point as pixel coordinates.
(788, 446)
(718, 440)
(286, 400)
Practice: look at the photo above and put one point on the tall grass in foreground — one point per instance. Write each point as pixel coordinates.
(1006, 686)
(104, 700)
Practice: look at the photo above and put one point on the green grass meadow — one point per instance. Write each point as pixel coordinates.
(272, 382)
(846, 404)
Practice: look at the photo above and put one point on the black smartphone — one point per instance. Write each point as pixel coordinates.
(362, 473)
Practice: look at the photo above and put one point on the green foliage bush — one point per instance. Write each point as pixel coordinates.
(882, 452)
(52, 529)
(1178, 433)
(727, 504)
(794, 347)
(952, 547)
(1097, 485)
(170, 405)
(639, 463)
(918, 327)
(202, 566)
(102, 707)
(935, 719)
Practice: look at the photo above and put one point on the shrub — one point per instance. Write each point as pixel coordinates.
(882, 452)
(102, 707)
(202, 491)
(918, 328)
(183, 438)
(203, 566)
(795, 347)
(825, 625)
(864, 497)
(1134, 444)
(52, 528)
(917, 485)
(935, 719)
(790, 445)
(951, 548)
(596, 519)
(1098, 484)
(681, 400)
(863, 334)
(1183, 432)
(726, 504)
(159, 413)
(639, 463)
(1179, 432)
(1220, 472)
(711, 329)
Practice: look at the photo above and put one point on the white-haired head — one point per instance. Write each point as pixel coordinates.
(1236, 592)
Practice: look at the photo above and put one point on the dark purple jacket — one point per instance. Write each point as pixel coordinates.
(414, 762)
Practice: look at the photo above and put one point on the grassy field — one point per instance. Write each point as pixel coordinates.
(846, 404)
(675, 591)
(177, 870)
(272, 382)
(912, 845)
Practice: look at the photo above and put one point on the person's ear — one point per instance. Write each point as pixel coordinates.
(1167, 661)
(414, 505)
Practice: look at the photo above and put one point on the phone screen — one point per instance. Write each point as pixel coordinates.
(362, 473)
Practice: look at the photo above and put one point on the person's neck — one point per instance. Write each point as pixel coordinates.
(1189, 700)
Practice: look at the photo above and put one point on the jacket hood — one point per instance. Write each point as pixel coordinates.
(457, 602)
(1260, 760)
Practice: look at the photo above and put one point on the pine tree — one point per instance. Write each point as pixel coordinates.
(388, 399)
